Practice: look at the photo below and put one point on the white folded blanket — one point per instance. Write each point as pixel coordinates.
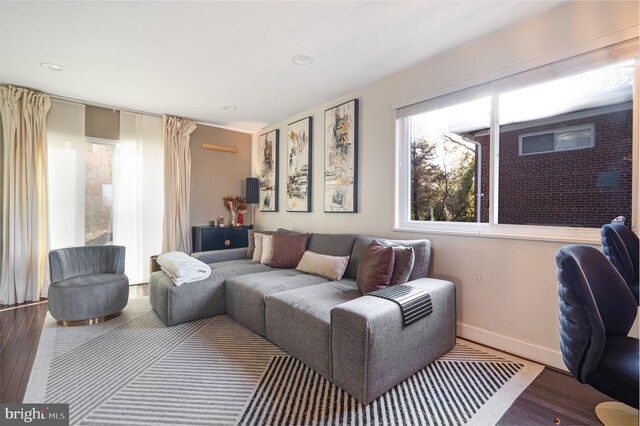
(182, 268)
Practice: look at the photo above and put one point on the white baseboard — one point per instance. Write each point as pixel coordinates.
(532, 351)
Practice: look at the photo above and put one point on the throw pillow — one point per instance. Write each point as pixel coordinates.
(267, 249)
(257, 251)
(375, 268)
(403, 263)
(252, 243)
(331, 267)
(288, 250)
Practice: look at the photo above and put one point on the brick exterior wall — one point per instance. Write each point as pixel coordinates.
(561, 188)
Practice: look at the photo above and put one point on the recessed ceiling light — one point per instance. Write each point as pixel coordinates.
(52, 67)
(229, 107)
(301, 59)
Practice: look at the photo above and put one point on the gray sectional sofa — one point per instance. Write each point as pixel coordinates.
(358, 342)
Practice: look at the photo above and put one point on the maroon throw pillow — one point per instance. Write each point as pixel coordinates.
(288, 250)
(375, 268)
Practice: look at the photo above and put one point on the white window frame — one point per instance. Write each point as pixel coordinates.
(494, 229)
(555, 132)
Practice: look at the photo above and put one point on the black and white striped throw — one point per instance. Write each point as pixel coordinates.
(414, 303)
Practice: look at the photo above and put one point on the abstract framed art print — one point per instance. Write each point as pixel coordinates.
(268, 155)
(299, 166)
(341, 158)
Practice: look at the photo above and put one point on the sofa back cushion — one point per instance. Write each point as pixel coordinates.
(332, 244)
(421, 251)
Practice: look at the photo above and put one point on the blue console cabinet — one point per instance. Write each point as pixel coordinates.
(207, 238)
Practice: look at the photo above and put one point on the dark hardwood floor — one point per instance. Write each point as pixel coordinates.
(20, 329)
(553, 398)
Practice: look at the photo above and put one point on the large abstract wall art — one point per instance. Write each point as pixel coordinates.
(341, 158)
(299, 166)
(268, 154)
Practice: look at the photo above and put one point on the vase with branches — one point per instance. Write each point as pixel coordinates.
(234, 204)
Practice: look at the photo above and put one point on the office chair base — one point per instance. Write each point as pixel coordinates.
(616, 413)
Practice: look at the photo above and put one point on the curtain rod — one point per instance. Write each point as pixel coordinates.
(135, 111)
(99, 105)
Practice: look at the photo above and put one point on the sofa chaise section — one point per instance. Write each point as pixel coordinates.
(299, 321)
(372, 351)
(200, 299)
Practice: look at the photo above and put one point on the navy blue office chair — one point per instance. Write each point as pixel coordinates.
(620, 245)
(597, 311)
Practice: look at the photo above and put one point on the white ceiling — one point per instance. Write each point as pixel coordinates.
(191, 58)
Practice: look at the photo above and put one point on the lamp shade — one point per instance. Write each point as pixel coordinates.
(252, 191)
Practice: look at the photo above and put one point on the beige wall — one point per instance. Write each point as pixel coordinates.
(506, 288)
(215, 174)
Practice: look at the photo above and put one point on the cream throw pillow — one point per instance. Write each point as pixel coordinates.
(267, 249)
(257, 251)
(331, 267)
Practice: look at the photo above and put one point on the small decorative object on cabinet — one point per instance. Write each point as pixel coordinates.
(234, 205)
(207, 238)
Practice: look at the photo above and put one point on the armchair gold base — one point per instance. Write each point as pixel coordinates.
(89, 321)
(616, 413)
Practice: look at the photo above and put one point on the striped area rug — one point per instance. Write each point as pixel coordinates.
(133, 370)
(448, 392)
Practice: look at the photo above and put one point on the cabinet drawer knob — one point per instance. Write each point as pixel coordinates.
(227, 243)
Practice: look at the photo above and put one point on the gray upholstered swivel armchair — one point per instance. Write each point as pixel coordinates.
(620, 245)
(88, 284)
(597, 311)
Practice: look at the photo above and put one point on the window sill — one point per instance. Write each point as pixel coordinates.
(513, 232)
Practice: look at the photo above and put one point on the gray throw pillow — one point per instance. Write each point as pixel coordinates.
(403, 263)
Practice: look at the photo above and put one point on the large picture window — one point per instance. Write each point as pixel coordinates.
(446, 162)
(549, 148)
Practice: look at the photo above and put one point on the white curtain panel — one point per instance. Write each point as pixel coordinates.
(137, 184)
(138, 192)
(177, 184)
(65, 134)
(24, 208)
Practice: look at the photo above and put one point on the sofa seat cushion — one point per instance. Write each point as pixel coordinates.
(239, 267)
(115, 280)
(299, 321)
(88, 296)
(245, 295)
